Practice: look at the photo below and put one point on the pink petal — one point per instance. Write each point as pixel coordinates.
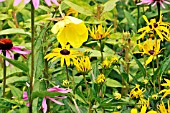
(162, 4)
(44, 105)
(27, 84)
(57, 89)
(2, 0)
(26, 1)
(48, 2)
(25, 96)
(57, 102)
(61, 97)
(9, 55)
(55, 2)
(17, 49)
(0, 51)
(16, 2)
(28, 104)
(166, 2)
(36, 3)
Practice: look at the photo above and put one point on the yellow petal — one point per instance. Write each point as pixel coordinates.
(145, 18)
(149, 60)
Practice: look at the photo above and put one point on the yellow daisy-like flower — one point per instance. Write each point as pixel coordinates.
(155, 96)
(162, 108)
(71, 30)
(133, 110)
(159, 27)
(136, 92)
(106, 63)
(165, 91)
(64, 53)
(72, 11)
(101, 79)
(66, 83)
(83, 64)
(117, 95)
(151, 48)
(99, 32)
(143, 109)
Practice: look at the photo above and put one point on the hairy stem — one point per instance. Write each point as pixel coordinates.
(4, 74)
(85, 83)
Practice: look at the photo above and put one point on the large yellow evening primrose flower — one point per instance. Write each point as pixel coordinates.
(159, 27)
(98, 33)
(83, 64)
(137, 92)
(151, 48)
(64, 53)
(165, 91)
(71, 30)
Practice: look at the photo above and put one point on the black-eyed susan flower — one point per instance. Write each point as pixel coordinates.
(165, 91)
(117, 95)
(137, 92)
(159, 27)
(106, 63)
(71, 30)
(101, 79)
(65, 53)
(83, 64)
(162, 108)
(98, 33)
(151, 48)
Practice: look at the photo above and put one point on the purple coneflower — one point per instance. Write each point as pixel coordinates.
(7, 46)
(148, 2)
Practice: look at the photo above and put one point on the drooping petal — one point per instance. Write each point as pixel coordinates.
(149, 60)
(61, 97)
(25, 96)
(57, 89)
(55, 2)
(17, 49)
(36, 3)
(26, 1)
(44, 105)
(48, 2)
(16, 2)
(57, 102)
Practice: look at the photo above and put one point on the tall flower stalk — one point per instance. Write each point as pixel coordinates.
(32, 56)
(4, 74)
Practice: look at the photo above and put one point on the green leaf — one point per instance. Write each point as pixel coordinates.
(112, 83)
(4, 16)
(131, 21)
(14, 79)
(78, 8)
(109, 5)
(140, 66)
(16, 63)
(16, 92)
(14, 31)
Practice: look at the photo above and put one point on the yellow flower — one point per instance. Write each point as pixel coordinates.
(83, 64)
(134, 110)
(152, 111)
(99, 33)
(165, 91)
(64, 53)
(144, 108)
(155, 96)
(143, 102)
(151, 48)
(72, 11)
(117, 95)
(71, 30)
(66, 83)
(136, 92)
(162, 108)
(145, 81)
(101, 79)
(114, 60)
(159, 27)
(106, 63)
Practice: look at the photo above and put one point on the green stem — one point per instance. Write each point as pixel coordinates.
(4, 74)
(159, 81)
(159, 10)
(138, 7)
(101, 49)
(85, 83)
(67, 72)
(32, 56)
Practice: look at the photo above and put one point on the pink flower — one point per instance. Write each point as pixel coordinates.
(7, 46)
(36, 2)
(25, 97)
(54, 89)
(2, 0)
(148, 2)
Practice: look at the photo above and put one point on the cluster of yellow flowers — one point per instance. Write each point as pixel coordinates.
(101, 79)
(108, 62)
(136, 92)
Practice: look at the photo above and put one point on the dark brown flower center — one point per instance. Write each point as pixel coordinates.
(150, 26)
(155, 25)
(65, 52)
(151, 52)
(5, 44)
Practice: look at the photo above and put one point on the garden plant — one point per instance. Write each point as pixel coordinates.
(84, 56)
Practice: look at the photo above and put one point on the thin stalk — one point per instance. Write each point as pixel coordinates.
(153, 66)
(4, 74)
(101, 49)
(32, 56)
(159, 10)
(138, 7)
(159, 81)
(67, 76)
(85, 83)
